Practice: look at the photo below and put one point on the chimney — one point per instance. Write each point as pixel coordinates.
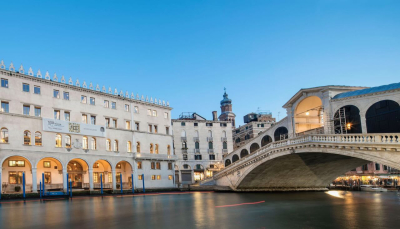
(214, 114)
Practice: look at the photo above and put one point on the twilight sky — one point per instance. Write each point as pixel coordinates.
(186, 52)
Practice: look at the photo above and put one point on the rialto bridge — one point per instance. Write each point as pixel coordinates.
(327, 132)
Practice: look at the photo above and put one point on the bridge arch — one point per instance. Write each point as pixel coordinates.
(383, 117)
(266, 140)
(235, 158)
(352, 120)
(244, 153)
(281, 133)
(254, 147)
(227, 162)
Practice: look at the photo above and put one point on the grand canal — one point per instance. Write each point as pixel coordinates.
(333, 209)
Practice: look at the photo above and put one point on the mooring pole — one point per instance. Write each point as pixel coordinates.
(101, 184)
(144, 190)
(67, 185)
(133, 188)
(43, 183)
(0, 185)
(23, 184)
(120, 181)
(70, 191)
(40, 189)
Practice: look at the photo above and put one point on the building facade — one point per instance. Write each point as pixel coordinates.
(56, 130)
(255, 124)
(200, 145)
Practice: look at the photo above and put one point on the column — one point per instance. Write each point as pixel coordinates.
(192, 174)
(114, 182)
(363, 123)
(34, 180)
(65, 180)
(91, 179)
(180, 177)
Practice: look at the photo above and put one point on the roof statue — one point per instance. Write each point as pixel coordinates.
(103, 89)
(155, 100)
(21, 69)
(70, 81)
(151, 99)
(47, 76)
(97, 87)
(127, 94)
(11, 68)
(167, 104)
(132, 95)
(91, 85)
(115, 92)
(62, 79)
(39, 74)
(30, 72)
(84, 85)
(109, 90)
(147, 98)
(142, 98)
(159, 102)
(55, 77)
(121, 94)
(137, 97)
(163, 103)
(77, 83)
(2, 66)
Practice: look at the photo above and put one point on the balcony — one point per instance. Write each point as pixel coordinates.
(209, 139)
(183, 139)
(196, 139)
(151, 156)
(210, 150)
(224, 139)
(184, 150)
(224, 151)
(196, 150)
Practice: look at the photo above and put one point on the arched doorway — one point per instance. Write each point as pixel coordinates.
(281, 133)
(198, 172)
(227, 162)
(383, 117)
(254, 147)
(244, 153)
(12, 173)
(235, 158)
(347, 120)
(78, 173)
(51, 168)
(266, 140)
(103, 169)
(125, 169)
(309, 114)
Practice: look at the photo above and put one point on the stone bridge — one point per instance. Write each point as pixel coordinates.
(308, 162)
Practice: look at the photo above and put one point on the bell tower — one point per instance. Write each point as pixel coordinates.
(226, 110)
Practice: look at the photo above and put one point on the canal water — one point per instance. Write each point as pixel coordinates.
(333, 209)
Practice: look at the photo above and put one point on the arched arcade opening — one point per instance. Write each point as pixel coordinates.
(383, 117)
(12, 173)
(308, 114)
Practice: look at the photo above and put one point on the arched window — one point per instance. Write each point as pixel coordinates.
(227, 162)
(210, 134)
(67, 141)
(116, 145)
(93, 144)
(58, 140)
(38, 138)
(168, 150)
(151, 148)
(156, 148)
(210, 145)
(138, 147)
(235, 158)
(27, 137)
(225, 145)
(4, 135)
(85, 144)
(197, 145)
(129, 146)
(254, 147)
(108, 145)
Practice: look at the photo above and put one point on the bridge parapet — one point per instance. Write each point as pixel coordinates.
(359, 141)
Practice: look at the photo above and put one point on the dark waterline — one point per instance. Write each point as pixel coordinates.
(334, 209)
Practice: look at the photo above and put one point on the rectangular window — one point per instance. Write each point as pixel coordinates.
(26, 109)
(139, 165)
(165, 114)
(83, 99)
(197, 157)
(25, 87)
(114, 105)
(15, 177)
(38, 111)
(167, 130)
(84, 118)
(169, 166)
(140, 177)
(47, 164)
(36, 90)
(4, 107)
(136, 125)
(67, 116)
(155, 129)
(196, 124)
(4, 83)
(153, 165)
(209, 124)
(56, 94)
(150, 128)
(16, 163)
(66, 95)
(92, 101)
(136, 109)
(106, 104)
(183, 124)
(126, 107)
(158, 177)
(153, 177)
(185, 157)
(158, 165)
(57, 114)
(128, 125)
(169, 177)
(114, 123)
(107, 122)
(154, 113)
(212, 157)
(377, 166)
(93, 120)
(149, 112)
